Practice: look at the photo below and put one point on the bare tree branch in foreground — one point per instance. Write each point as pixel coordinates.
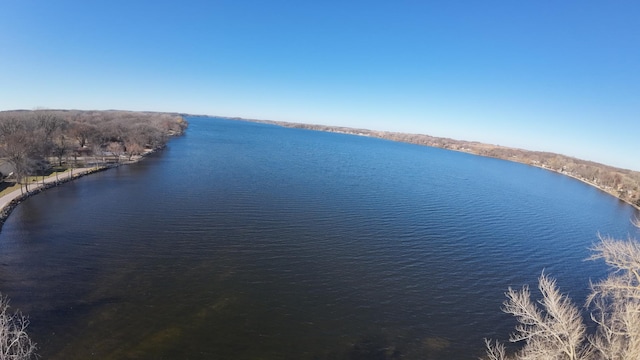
(616, 301)
(553, 328)
(15, 343)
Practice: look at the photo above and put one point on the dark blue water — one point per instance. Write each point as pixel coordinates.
(251, 241)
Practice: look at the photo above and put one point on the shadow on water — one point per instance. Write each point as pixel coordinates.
(60, 322)
(385, 345)
(374, 347)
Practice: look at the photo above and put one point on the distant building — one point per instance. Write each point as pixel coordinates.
(6, 169)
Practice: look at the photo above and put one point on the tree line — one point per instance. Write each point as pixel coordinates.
(34, 143)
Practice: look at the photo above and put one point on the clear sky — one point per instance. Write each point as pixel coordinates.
(560, 76)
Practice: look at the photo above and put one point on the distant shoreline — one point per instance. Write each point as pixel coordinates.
(588, 183)
(531, 158)
(10, 201)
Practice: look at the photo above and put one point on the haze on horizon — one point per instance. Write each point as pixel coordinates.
(548, 76)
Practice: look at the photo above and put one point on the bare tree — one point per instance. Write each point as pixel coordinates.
(554, 331)
(617, 301)
(116, 149)
(61, 148)
(15, 343)
(495, 350)
(46, 124)
(16, 145)
(82, 132)
(134, 149)
(557, 331)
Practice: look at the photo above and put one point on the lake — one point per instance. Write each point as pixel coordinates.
(243, 240)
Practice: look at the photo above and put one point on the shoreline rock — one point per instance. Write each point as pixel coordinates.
(7, 209)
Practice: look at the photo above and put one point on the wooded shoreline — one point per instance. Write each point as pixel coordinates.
(44, 148)
(69, 135)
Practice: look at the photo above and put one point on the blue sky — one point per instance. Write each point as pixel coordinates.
(560, 76)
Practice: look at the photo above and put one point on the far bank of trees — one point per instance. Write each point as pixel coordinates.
(624, 184)
(32, 143)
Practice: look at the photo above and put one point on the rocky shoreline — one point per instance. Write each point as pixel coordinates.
(8, 208)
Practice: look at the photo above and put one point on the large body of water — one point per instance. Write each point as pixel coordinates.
(251, 241)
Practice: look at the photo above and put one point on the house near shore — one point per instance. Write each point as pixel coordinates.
(6, 169)
(37, 167)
